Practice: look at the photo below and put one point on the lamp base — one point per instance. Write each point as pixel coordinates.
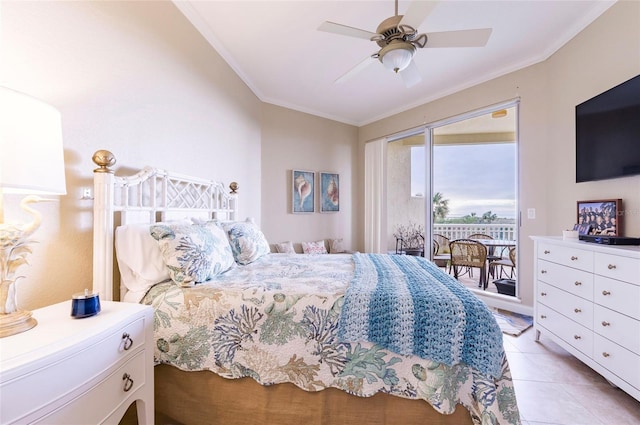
(15, 323)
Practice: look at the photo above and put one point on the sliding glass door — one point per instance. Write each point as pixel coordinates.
(464, 171)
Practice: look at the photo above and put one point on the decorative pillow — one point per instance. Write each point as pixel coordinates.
(316, 247)
(193, 253)
(247, 241)
(336, 246)
(285, 248)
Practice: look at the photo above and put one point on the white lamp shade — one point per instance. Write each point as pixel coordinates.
(31, 153)
(397, 59)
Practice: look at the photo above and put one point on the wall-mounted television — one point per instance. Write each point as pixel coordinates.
(608, 134)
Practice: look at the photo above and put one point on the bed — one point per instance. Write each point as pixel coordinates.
(246, 336)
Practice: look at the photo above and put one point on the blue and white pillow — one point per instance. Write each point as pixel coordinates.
(193, 253)
(247, 241)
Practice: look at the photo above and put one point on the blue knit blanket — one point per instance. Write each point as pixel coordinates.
(407, 305)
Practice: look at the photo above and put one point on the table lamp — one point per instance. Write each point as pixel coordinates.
(31, 163)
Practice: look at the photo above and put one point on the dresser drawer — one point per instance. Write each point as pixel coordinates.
(617, 327)
(616, 267)
(565, 255)
(571, 332)
(572, 280)
(97, 403)
(70, 374)
(619, 296)
(575, 308)
(619, 360)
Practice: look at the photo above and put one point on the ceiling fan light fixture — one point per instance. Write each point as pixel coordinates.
(397, 56)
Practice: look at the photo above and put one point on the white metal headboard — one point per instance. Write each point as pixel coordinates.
(149, 196)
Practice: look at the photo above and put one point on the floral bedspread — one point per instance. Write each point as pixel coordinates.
(276, 320)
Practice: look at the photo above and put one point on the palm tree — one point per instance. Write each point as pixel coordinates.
(488, 217)
(440, 206)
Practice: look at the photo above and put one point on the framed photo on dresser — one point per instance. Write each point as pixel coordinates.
(605, 217)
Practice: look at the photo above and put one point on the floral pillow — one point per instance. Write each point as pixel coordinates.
(193, 253)
(247, 241)
(316, 247)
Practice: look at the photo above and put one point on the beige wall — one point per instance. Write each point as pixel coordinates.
(294, 140)
(603, 55)
(135, 78)
(407, 209)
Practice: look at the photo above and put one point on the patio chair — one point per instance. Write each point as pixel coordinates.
(504, 263)
(404, 248)
(491, 250)
(442, 257)
(467, 254)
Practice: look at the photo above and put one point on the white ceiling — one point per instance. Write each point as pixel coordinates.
(275, 47)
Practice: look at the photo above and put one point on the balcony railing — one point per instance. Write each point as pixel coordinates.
(461, 231)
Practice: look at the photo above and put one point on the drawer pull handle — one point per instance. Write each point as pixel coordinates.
(611, 266)
(577, 310)
(542, 316)
(577, 337)
(543, 294)
(128, 342)
(546, 251)
(605, 293)
(128, 382)
(605, 354)
(577, 283)
(543, 271)
(574, 258)
(605, 323)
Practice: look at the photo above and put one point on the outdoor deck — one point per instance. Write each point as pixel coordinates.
(472, 282)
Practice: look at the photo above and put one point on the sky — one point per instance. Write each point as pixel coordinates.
(474, 178)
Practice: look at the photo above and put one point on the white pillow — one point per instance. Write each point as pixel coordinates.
(285, 248)
(247, 241)
(336, 246)
(193, 253)
(316, 247)
(139, 257)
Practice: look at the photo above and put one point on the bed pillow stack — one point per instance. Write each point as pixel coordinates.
(193, 253)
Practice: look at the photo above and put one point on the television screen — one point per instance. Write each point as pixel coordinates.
(608, 134)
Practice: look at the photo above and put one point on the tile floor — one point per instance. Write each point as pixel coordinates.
(553, 387)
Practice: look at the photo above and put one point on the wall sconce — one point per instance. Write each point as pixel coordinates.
(501, 113)
(31, 163)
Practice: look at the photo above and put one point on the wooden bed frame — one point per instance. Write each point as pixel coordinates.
(153, 195)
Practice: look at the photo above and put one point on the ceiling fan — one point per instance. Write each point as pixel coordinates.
(398, 39)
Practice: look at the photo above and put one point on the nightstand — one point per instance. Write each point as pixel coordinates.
(79, 371)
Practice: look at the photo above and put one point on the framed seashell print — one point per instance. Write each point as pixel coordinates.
(329, 192)
(303, 191)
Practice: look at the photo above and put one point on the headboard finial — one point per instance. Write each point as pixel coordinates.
(234, 187)
(103, 159)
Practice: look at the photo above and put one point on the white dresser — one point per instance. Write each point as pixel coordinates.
(79, 371)
(587, 299)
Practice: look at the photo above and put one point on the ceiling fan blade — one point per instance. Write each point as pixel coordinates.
(411, 74)
(346, 30)
(417, 13)
(462, 38)
(356, 69)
